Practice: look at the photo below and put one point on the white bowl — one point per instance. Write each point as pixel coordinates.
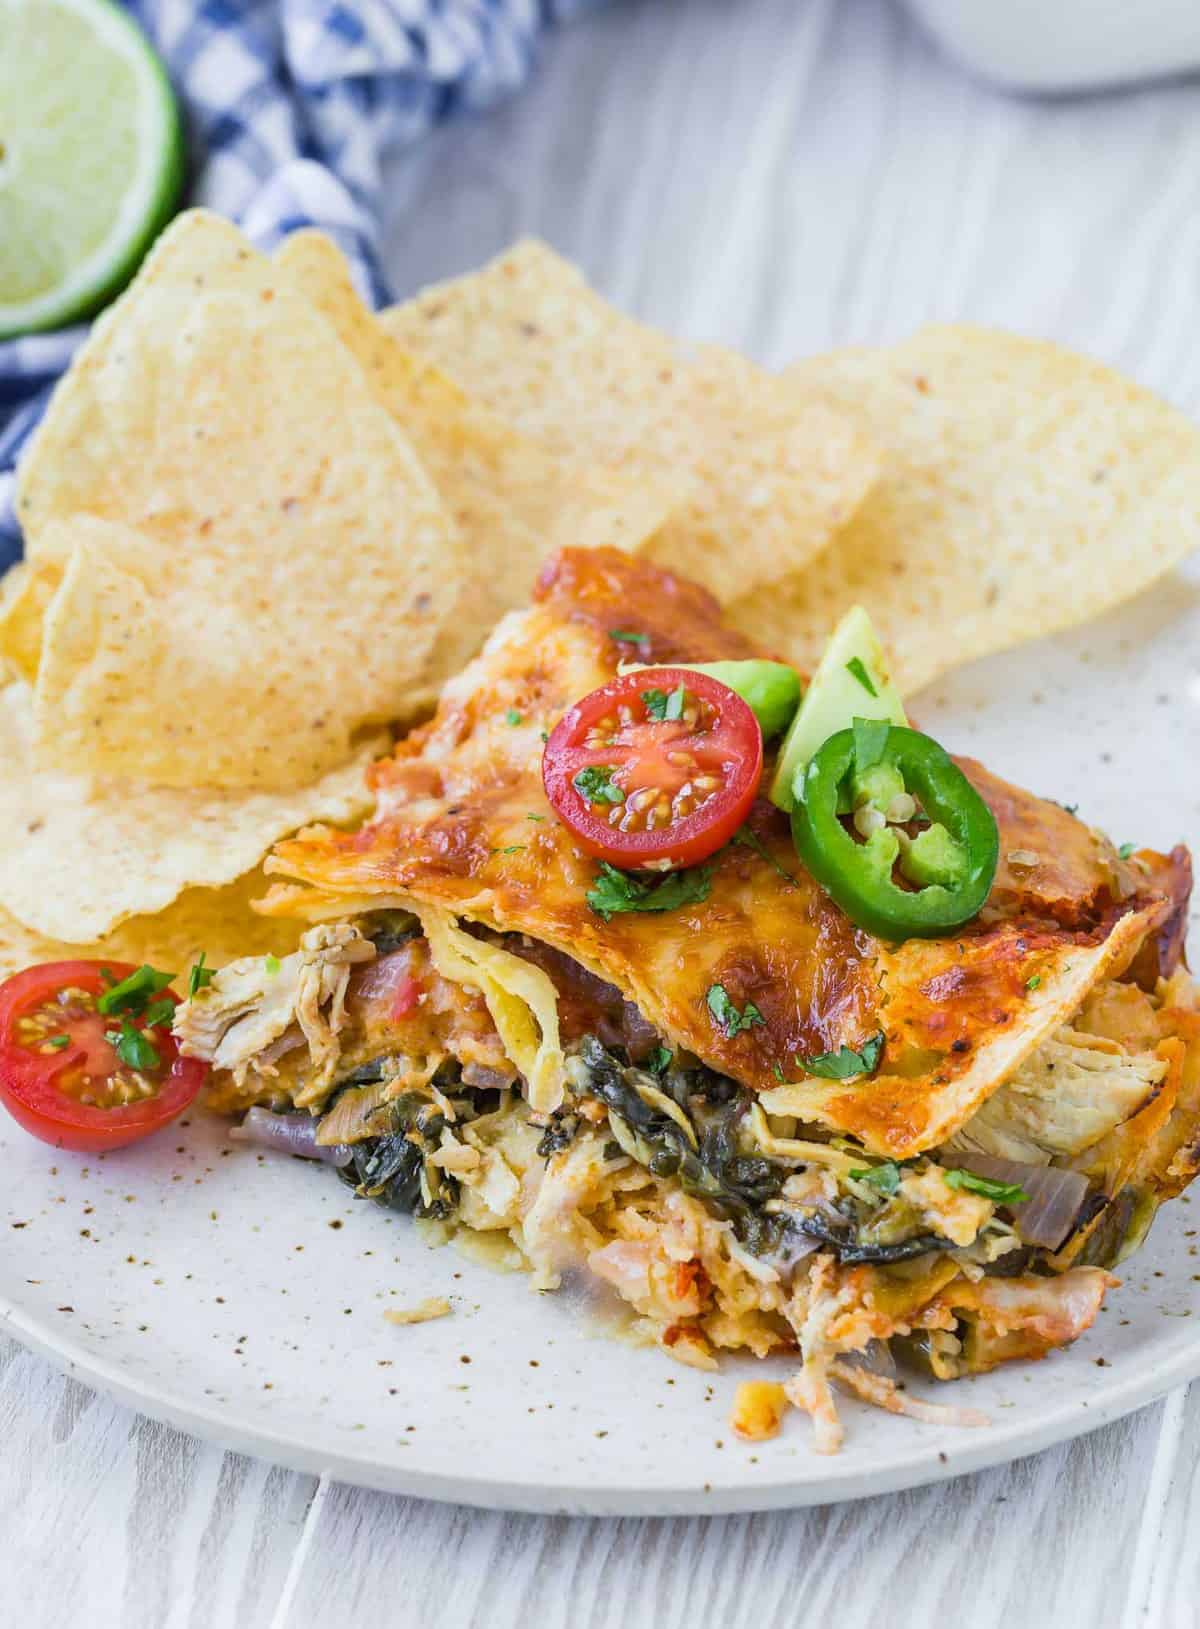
(1061, 45)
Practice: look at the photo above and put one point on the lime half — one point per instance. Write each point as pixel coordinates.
(91, 158)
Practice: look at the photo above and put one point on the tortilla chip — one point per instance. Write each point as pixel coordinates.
(78, 857)
(1026, 489)
(218, 921)
(266, 520)
(763, 471)
(25, 595)
(514, 502)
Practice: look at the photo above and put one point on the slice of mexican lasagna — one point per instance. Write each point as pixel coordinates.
(765, 1128)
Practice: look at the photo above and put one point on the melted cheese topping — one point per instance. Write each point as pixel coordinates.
(463, 825)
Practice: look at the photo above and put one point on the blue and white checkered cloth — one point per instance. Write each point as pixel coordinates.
(289, 104)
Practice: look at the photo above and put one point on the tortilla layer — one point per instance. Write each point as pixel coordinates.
(462, 823)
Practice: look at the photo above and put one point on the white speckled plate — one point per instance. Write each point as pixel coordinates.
(243, 1297)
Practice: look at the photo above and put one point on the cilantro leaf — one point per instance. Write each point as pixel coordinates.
(512, 717)
(200, 976)
(845, 1062)
(595, 783)
(272, 963)
(133, 1048)
(659, 1061)
(660, 705)
(540, 818)
(629, 636)
(748, 839)
(870, 740)
(614, 891)
(729, 1020)
(856, 667)
(885, 1178)
(133, 993)
(58, 1042)
(1032, 982)
(158, 1013)
(1125, 850)
(1000, 1193)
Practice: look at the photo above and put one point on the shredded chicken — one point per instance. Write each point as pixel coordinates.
(251, 1004)
(1072, 1092)
(809, 1389)
(882, 1392)
(953, 1213)
(422, 1312)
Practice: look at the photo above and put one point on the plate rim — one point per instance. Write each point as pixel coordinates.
(995, 1445)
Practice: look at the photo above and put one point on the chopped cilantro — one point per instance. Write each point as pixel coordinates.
(200, 976)
(1125, 850)
(777, 1071)
(659, 1061)
(595, 783)
(870, 739)
(729, 1020)
(133, 1048)
(513, 848)
(545, 735)
(660, 705)
(629, 636)
(845, 1062)
(748, 839)
(133, 993)
(1032, 982)
(857, 670)
(535, 817)
(59, 1041)
(1071, 808)
(512, 717)
(884, 1178)
(1000, 1193)
(614, 891)
(272, 963)
(159, 1013)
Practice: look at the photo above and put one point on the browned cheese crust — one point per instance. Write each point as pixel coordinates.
(463, 822)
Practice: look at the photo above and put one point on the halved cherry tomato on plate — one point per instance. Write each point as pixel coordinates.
(659, 766)
(84, 1079)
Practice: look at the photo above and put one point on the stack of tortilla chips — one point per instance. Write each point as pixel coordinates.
(263, 525)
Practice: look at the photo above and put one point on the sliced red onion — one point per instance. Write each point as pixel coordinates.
(793, 1248)
(1048, 1215)
(875, 1357)
(478, 1074)
(289, 1134)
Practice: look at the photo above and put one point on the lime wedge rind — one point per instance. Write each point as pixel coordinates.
(143, 201)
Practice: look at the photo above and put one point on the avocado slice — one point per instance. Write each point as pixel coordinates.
(852, 666)
(771, 690)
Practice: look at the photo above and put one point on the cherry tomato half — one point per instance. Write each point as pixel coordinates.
(65, 1081)
(659, 765)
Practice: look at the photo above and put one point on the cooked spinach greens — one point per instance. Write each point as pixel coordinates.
(709, 1163)
(701, 1146)
(395, 1170)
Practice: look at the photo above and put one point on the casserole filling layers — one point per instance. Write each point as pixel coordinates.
(720, 1226)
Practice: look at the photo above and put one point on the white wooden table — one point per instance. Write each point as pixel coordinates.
(784, 175)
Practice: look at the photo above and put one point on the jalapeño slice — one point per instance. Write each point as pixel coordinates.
(946, 870)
